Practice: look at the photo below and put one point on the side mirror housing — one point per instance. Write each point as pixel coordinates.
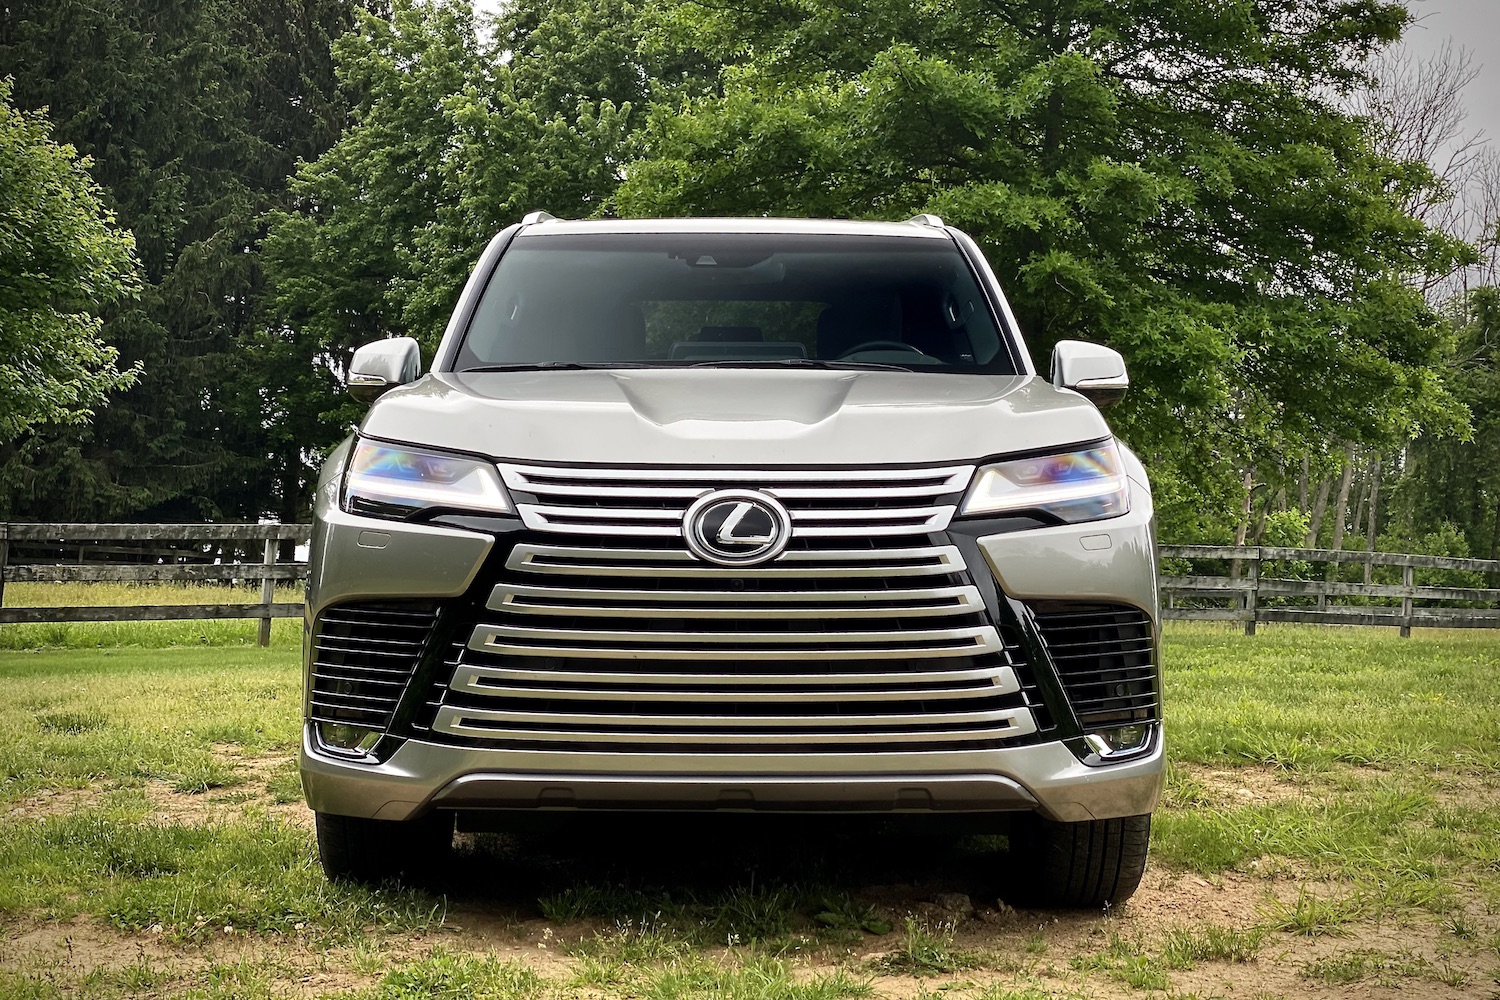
(383, 365)
(1096, 372)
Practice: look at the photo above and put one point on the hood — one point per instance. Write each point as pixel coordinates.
(708, 416)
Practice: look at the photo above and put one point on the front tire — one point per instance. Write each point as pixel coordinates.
(1090, 864)
(370, 851)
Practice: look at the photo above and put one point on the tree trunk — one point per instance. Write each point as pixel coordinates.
(1495, 534)
(1243, 530)
(1302, 484)
(1244, 527)
(1374, 510)
(1320, 508)
(1341, 508)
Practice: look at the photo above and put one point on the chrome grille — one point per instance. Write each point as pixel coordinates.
(363, 657)
(825, 648)
(856, 503)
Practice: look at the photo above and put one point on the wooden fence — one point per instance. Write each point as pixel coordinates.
(1262, 584)
(151, 553)
(1221, 583)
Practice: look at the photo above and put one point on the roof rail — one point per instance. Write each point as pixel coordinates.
(532, 218)
(926, 220)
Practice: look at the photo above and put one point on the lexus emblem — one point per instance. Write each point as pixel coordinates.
(736, 527)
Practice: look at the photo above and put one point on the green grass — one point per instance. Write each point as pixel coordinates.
(1379, 760)
(285, 632)
(111, 717)
(1305, 697)
(246, 874)
(928, 951)
(1390, 750)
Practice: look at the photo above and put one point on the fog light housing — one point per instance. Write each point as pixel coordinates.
(346, 739)
(1121, 741)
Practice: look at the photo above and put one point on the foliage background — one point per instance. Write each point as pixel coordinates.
(1187, 182)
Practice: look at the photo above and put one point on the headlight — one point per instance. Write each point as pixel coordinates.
(1076, 486)
(387, 480)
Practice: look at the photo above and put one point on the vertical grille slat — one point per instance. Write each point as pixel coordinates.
(363, 658)
(1105, 655)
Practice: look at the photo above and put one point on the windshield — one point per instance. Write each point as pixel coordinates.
(621, 300)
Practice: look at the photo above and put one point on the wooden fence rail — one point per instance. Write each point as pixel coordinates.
(1249, 584)
(1255, 584)
(200, 561)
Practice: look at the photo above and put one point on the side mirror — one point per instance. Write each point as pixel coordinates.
(383, 365)
(1096, 372)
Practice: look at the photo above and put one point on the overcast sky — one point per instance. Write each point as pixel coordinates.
(1472, 25)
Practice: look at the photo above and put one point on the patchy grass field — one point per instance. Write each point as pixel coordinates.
(1331, 829)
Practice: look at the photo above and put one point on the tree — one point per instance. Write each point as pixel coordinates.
(62, 262)
(452, 136)
(193, 115)
(1179, 180)
(1450, 484)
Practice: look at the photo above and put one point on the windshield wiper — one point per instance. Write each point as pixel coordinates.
(803, 363)
(534, 366)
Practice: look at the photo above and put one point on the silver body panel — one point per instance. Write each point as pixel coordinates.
(579, 444)
(734, 417)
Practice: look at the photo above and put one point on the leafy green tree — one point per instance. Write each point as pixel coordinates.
(193, 115)
(1174, 178)
(453, 134)
(1449, 485)
(62, 262)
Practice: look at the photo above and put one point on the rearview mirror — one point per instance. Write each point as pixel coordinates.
(1096, 372)
(383, 365)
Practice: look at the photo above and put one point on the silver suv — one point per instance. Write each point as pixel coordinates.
(741, 515)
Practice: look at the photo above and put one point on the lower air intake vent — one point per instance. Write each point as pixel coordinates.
(1105, 658)
(363, 656)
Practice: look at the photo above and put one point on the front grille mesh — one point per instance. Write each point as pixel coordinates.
(1105, 658)
(363, 657)
(849, 647)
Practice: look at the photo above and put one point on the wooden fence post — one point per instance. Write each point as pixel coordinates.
(1252, 596)
(267, 594)
(1408, 580)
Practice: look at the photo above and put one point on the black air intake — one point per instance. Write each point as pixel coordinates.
(363, 657)
(1105, 658)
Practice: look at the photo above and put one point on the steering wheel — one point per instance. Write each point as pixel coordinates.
(871, 345)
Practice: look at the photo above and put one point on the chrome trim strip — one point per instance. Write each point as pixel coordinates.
(486, 680)
(522, 477)
(818, 645)
(452, 721)
(512, 597)
(532, 558)
(658, 724)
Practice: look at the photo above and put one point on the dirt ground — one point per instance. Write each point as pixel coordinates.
(496, 912)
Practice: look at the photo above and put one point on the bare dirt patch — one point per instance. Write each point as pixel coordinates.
(170, 806)
(1244, 786)
(50, 802)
